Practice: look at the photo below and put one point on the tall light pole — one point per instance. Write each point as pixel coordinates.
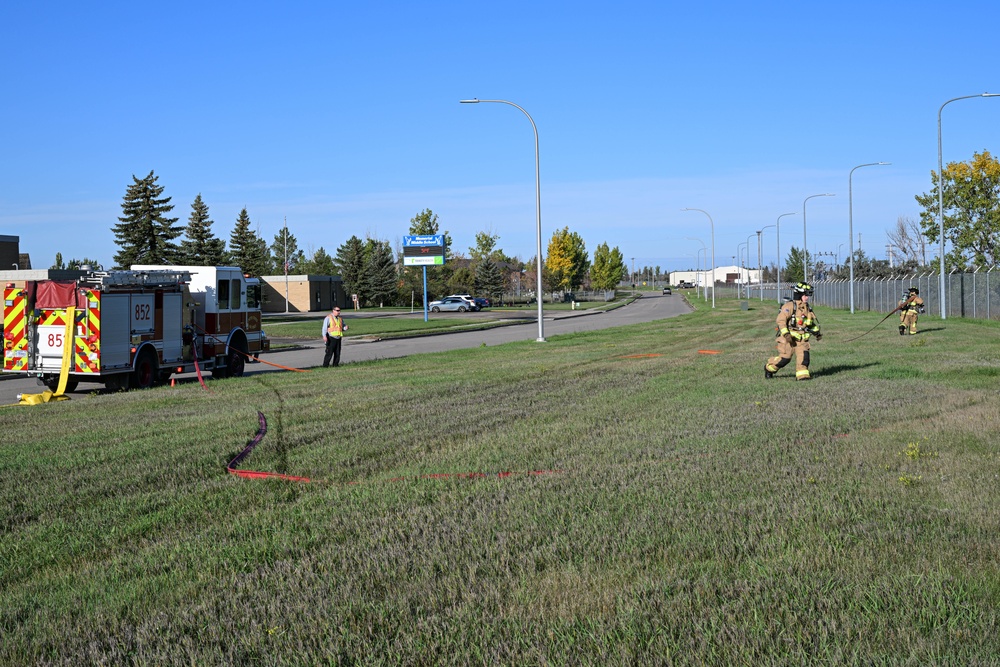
(777, 242)
(805, 247)
(941, 190)
(749, 236)
(850, 220)
(760, 259)
(712, 224)
(538, 212)
(703, 286)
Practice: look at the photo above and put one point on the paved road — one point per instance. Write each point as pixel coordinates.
(648, 308)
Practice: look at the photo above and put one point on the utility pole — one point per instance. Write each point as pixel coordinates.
(285, 263)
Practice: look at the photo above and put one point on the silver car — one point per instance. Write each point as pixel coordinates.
(449, 303)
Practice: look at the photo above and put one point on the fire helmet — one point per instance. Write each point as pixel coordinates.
(913, 290)
(800, 289)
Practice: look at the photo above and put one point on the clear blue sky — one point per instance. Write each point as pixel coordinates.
(345, 119)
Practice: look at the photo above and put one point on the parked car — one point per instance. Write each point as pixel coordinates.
(481, 302)
(468, 299)
(449, 303)
(666, 291)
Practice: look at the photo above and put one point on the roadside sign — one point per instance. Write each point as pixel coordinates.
(423, 250)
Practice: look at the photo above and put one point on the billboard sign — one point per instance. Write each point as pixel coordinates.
(423, 250)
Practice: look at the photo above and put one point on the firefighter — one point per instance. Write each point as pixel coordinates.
(909, 306)
(796, 325)
(333, 336)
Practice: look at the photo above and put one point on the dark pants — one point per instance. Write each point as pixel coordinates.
(332, 350)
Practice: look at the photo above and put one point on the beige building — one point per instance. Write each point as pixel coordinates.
(305, 293)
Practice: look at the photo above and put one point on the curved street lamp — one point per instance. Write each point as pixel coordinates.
(712, 224)
(850, 221)
(538, 211)
(805, 247)
(704, 288)
(941, 190)
(760, 261)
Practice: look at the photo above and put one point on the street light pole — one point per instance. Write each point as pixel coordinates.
(712, 225)
(760, 259)
(538, 211)
(805, 247)
(704, 288)
(850, 220)
(941, 191)
(777, 241)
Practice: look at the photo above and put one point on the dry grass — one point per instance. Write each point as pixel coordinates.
(699, 514)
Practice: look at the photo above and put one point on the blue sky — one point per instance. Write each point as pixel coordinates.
(345, 119)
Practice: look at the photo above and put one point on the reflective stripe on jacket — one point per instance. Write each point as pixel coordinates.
(334, 326)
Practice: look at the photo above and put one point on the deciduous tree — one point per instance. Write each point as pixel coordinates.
(567, 261)
(608, 268)
(971, 201)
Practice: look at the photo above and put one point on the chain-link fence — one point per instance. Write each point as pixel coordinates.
(973, 294)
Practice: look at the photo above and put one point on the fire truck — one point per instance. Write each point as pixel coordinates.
(134, 328)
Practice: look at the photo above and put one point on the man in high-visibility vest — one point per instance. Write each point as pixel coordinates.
(333, 336)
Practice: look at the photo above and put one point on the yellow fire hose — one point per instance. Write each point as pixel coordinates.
(48, 395)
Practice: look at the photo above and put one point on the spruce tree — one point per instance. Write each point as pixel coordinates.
(489, 278)
(286, 249)
(380, 278)
(350, 264)
(247, 249)
(145, 234)
(201, 248)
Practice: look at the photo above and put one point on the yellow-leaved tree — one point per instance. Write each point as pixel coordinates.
(567, 261)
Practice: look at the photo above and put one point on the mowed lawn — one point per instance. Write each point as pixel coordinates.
(619, 497)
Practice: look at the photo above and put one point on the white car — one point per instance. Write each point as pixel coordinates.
(466, 297)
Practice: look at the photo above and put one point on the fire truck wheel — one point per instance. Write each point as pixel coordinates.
(145, 371)
(235, 363)
(118, 382)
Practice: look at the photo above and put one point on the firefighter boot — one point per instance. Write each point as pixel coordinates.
(767, 373)
(902, 329)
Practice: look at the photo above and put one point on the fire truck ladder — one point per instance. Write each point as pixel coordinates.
(106, 279)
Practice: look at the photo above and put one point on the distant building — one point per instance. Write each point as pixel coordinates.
(724, 275)
(306, 293)
(10, 254)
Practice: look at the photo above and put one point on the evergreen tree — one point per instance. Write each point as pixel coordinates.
(380, 277)
(201, 248)
(145, 234)
(286, 249)
(350, 265)
(247, 249)
(59, 262)
(792, 270)
(320, 264)
(489, 279)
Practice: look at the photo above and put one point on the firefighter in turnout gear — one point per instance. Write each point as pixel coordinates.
(796, 325)
(909, 307)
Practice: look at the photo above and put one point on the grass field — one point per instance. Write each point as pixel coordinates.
(663, 507)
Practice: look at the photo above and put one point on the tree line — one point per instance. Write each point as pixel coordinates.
(146, 233)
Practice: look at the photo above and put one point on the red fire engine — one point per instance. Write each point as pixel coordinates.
(132, 329)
